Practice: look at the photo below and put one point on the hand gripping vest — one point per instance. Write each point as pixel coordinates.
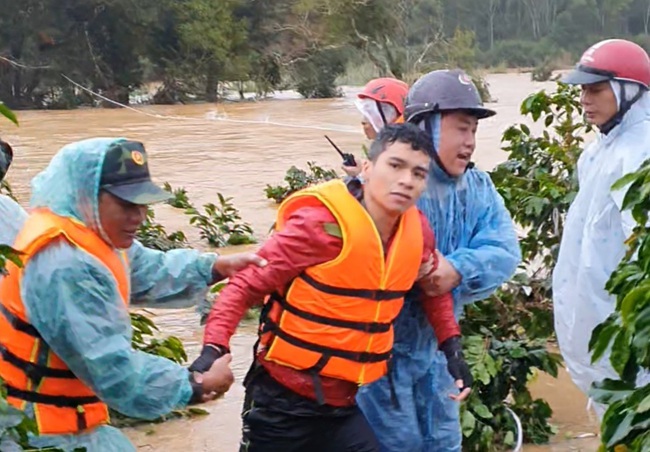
(31, 371)
(335, 319)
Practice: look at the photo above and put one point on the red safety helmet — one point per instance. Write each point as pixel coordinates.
(612, 59)
(388, 90)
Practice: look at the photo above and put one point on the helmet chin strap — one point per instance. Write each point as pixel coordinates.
(429, 129)
(436, 157)
(381, 112)
(624, 107)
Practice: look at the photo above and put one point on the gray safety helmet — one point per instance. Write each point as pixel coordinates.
(444, 90)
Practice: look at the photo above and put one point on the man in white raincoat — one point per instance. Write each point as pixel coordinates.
(614, 76)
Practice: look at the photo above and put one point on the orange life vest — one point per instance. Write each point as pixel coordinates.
(63, 404)
(335, 319)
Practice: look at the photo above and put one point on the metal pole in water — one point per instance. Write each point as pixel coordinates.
(520, 431)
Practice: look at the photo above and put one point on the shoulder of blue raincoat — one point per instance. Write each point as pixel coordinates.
(12, 218)
(492, 253)
(493, 211)
(484, 193)
(478, 179)
(73, 302)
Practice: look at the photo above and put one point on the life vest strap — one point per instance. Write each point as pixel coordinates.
(368, 294)
(368, 327)
(315, 375)
(34, 371)
(17, 323)
(359, 357)
(60, 401)
(82, 423)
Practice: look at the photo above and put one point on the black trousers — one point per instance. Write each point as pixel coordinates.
(276, 419)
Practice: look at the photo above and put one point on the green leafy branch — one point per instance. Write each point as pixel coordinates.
(297, 179)
(625, 334)
(506, 336)
(221, 225)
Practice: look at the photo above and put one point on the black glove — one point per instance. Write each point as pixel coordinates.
(197, 391)
(209, 354)
(456, 364)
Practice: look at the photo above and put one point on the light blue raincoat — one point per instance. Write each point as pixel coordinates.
(475, 232)
(593, 243)
(74, 304)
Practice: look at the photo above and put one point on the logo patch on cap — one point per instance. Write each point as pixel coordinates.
(464, 79)
(137, 157)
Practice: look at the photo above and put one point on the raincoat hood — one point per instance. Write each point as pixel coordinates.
(369, 108)
(628, 96)
(438, 176)
(69, 186)
(639, 111)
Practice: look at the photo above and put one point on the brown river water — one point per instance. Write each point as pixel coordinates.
(236, 149)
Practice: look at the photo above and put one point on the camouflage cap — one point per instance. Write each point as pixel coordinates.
(125, 174)
(6, 156)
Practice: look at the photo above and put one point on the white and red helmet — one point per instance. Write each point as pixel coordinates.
(612, 59)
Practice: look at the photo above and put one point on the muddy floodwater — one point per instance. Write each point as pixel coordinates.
(236, 149)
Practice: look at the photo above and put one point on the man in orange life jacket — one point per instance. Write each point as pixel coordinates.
(65, 331)
(338, 268)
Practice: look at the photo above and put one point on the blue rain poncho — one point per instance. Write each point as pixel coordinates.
(74, 304)
(593, 243)
(475, 232)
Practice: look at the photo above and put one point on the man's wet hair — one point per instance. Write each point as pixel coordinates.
(401, 133)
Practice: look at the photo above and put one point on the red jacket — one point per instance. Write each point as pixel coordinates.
(303, 243)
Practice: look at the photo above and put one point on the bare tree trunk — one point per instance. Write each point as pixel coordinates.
(380, 65)
(211, 83)
(521, 13)
(16, 53)
(492, 13)
(550, 16)
(491, 25)
(16, 90)
(646, 20)
(534, 18)
(602, 14)
(393, 65)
